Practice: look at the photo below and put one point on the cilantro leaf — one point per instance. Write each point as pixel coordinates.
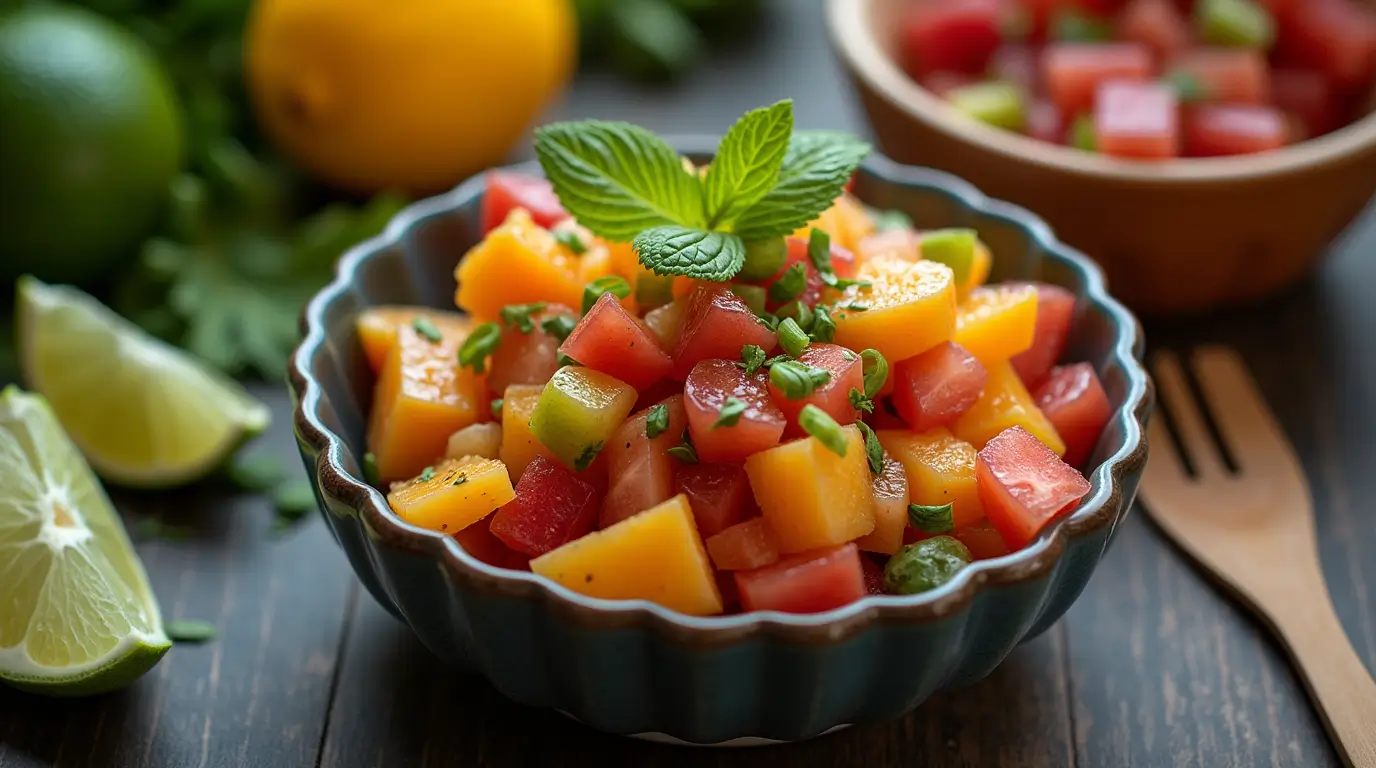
(618, 179)
(656, 421)
(860, 401)
(747, 162)
(675, 250)
(874, 452)
(731, 412)
(933, 519)
(685, 451)
(752, 358)
(816, 168)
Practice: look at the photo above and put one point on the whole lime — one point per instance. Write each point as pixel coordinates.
(90, 137)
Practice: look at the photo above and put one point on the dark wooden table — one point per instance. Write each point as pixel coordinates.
(1151, 667)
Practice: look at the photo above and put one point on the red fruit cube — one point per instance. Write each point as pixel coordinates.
(1075, 402)
(1024, 485)
(1045, 122)
(640, 471)
(526, 358)
(1157, 24)
(982, 539)
(874, 576)
(710, 384)
(717, 324)
(1137, 120)
(611, 340)
(1230, 75)
(955, 35)
(938, 385)
(847, 373)
(1055, 311)
(478, 541)
(808, 582)
(1335, 36)
(719, 494)
(1073, 72)
(552, 507)
(504, 191)
(743, 546)
(1213, 130)
(1308, 95)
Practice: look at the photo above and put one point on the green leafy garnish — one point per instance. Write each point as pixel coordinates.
(731, 412)
(800, 312)
(752, 359)
(876, 370)
(496, 407)
(656, 421)
(586, 458)
(933, 520)
(790, 284)
(874, 452)
(747, 162)
(815, 170)
(613, 284)
(559, 326)
(677, 250)
(817, 423)
(860, 401)
(480, 345)
(791, 337)
(796, 380)
(460, 480)
(684, 451)
(426, 475)
(823, 327)
(189, 631)
(519, 316)
(426, 328)
(571, 240)
(819, 250)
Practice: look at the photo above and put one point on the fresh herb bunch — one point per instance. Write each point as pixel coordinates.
(626, 185)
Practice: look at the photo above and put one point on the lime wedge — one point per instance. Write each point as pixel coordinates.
(78, 617)
(145, 413)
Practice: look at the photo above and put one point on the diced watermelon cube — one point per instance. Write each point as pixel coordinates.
(743, 546)
(955, 35)
(1213, 130)
(1157, 24)
(478, 541)
(808, 582)
(717, 324)
(504, 191)
(938, 385)
(1024, 485)
(1229, 75)
(874, 575)
(982, 539)
(730, 598)
(1309, 95)
(718, 493)
(1055, 311)
(1017, 64)
(1137, 120)
(710, 384)
(552, 507)
(847, 373)
(1045, 122)
(1073, 72)
(1075, 402)
(1335, 36)
(611, 340)
(640, 472)
(526, 358)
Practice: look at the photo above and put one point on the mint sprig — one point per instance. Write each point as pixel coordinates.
(625, 184)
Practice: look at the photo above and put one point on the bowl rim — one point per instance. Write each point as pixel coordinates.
(853, 37)
(1103, 507)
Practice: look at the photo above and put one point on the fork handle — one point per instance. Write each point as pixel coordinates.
(1341, 687)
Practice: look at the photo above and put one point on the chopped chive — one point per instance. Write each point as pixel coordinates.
(656, 421)
(846, 354)
(797, 380)
(257, 473)
(790, 285)
(731, 412)
(572, 241)
(817, 423)
(800, 312)
(462, 478)
(859, 401)
(586, 458)
(874, 452)
(823, 327)
(752, 359)
(496, 407)
(613, 284)
(480, 345)
(791, 337)
(876, 370)
(189, 631)
(519, 315)
(426, 475)
(559, 326)
(425, 327)
(931, 519)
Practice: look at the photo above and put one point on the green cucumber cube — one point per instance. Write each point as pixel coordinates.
(752, 295)
(953, 247)
(1082, 132)
(577, 413)
(1235, 22)
(997, 103)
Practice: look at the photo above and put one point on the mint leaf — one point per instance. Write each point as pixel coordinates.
(618, 179)
(747, 162)
(674, 250)
(816, 168)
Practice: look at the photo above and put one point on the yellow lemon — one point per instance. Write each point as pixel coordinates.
(415, 95)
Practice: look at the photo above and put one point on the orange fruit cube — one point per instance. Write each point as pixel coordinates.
(520, 446)
(940, 469)
(1005, 403)
(812, 497)
(377, 328)
(517, 263)
(909, 308)
(454, 494)
(997, 322)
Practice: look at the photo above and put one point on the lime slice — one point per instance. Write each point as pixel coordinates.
(78, 616)
(144, 413)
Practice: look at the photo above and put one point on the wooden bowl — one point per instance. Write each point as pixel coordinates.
(1177, 236)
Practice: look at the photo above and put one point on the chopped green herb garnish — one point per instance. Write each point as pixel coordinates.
(797, 380)
(876, 370)
(874, 452)
(571, 240)
(565, 361)
(790, 285)
(496, 407)
(370, 472)
(426, 328)
(791, 337)
(613, 284)
(559, 326)
(684, 451)
(656, 421)
(460, 480)
(189, 631)
(153, 528)
(842, 283)
(819, 250)
(763, 259)
(586, 458)
(925, 565)
(752, 359)
(823, 327)
(479, 346)
(519, 315)
(293, 501)
(933, 520)
(256, 473)
(860, 401)
(731, 412)
(854, 306)
(426, 475)
(799, 311)
(846, 354)
(817, 423)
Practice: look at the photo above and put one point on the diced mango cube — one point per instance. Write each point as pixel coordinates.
(890, 491)
(656, 555)
(454, 494)
(517, 263)
(997, 322)
(1005, 403)
(940, 469)
(377, 328)
(422, 397)
(578, 411)
(520, 446)
(909, 308)
(812, 497)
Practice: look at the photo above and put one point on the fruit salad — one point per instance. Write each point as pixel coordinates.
(1148, 79)
(731, 388)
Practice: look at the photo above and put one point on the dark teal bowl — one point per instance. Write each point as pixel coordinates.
(632, 667)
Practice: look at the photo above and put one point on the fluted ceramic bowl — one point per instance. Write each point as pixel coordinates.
(632, 667)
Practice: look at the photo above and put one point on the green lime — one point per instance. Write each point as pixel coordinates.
(90, 139)
(79, 618)
(144, 413)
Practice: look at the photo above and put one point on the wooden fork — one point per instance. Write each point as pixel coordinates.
(1254, 530)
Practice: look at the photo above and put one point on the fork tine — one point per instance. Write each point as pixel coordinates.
(1164, 468)
(1246, 423)
(1194, 435)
